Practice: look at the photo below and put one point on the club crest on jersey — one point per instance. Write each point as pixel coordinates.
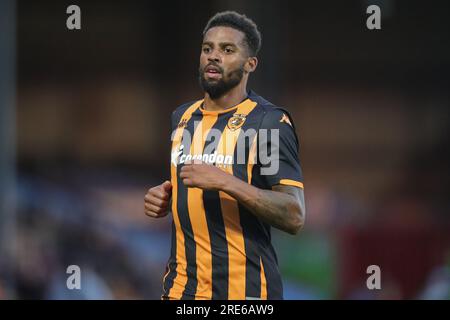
(236, 121)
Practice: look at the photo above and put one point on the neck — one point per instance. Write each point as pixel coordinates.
(228, 100)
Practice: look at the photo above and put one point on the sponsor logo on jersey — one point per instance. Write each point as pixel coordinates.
(178, 157)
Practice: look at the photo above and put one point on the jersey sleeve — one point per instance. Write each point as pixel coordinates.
(178, 113)
(278, 150)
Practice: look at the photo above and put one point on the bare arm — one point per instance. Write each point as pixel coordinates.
(283, 207)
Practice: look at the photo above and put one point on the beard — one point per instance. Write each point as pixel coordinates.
(217, 88)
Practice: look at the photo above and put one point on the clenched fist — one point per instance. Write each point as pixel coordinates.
(157, 200)
(203, 176)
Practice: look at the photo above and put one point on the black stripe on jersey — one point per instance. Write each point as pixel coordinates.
(249, 222)
(216, 226)
(172, 265)
(251, 238)
(185, 222)
(268, 255)
(273, 278)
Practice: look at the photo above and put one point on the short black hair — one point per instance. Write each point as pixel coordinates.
(239, 22)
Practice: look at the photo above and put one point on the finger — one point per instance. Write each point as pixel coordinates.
(148, 196)
(165, 213)
(158, 202)
(184, 174)
(186, 168)
(155, 209)
(159, 193)
(167, 186)
(152, 207)
(155, 215)
(188, 182)
(150, 213)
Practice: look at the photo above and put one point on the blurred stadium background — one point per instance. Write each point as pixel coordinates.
(85, 132)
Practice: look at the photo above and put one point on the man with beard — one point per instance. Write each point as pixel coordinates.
(235, 173)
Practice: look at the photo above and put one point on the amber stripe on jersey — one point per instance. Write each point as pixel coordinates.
(263, 282)
(289, 182)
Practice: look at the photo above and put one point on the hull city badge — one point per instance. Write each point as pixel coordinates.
(236, 121)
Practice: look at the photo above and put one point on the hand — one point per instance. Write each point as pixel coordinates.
(203, 176)
(157, 200)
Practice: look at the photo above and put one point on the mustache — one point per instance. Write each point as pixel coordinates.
(213, 65)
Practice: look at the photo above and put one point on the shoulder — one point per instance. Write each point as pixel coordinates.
(181, 110)
(273, 114)
(275, 117)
